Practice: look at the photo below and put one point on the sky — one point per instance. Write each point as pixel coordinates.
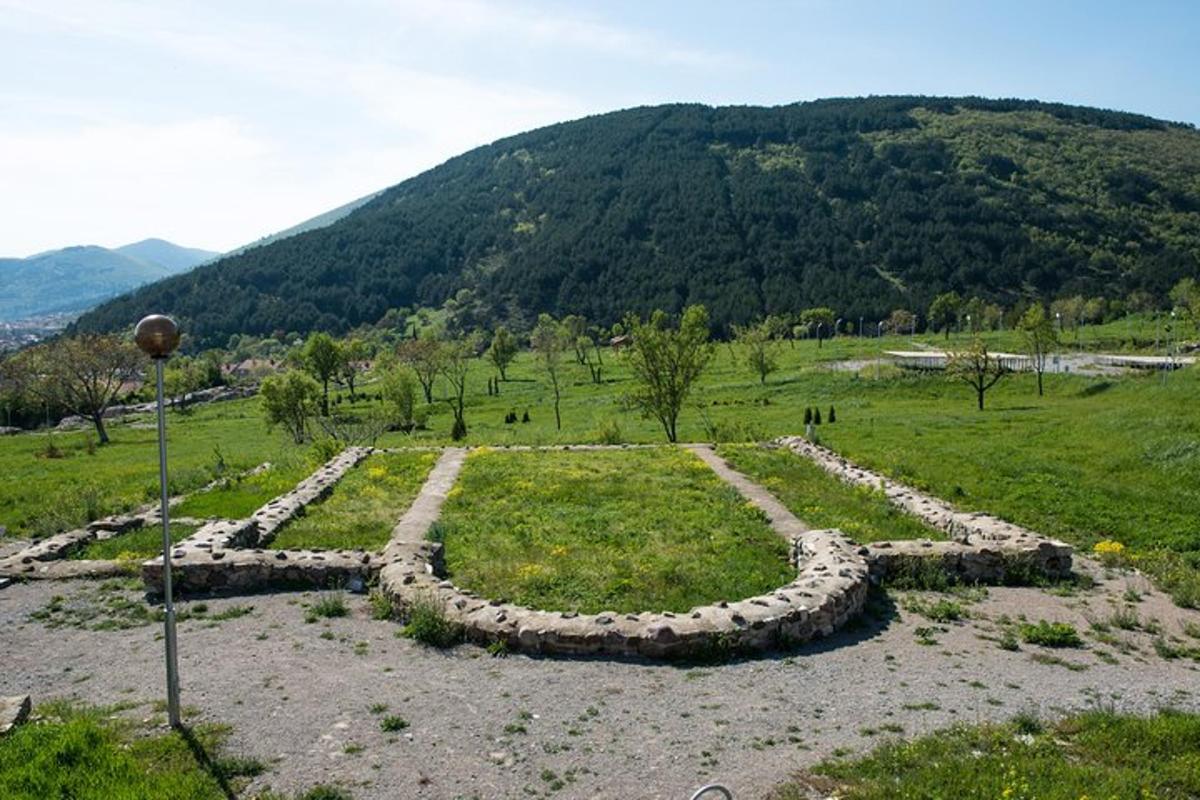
(215, 122)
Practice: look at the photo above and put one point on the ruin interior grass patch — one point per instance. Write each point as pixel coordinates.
(1096, 754)
(136, 545)
(98, 754)
(364, 507)
(823, 501)
(624, 530)
(242, 495)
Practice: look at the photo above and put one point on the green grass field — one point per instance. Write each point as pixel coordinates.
(1094, 458)
(823, 501)
(364, 506)
(136, 545)
(1092, 755)
(626, 530)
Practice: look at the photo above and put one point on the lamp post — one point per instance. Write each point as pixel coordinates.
(860, 330)
(1058, 344)
(1168, 359)
(158, 336)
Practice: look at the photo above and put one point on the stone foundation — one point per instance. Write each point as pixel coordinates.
(983, 548)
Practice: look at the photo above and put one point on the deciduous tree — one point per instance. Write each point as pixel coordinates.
(549, 340)
(944, 310)
(502, 351)
(354, 352)
(759, 347)
(666, 361)
(322, 359)
(426, 357)
(82, 374)
(288, 400)
(455, 367)
(1039, 337)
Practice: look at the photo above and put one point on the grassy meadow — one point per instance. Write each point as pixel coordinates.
(1095, 458)
(614, 530)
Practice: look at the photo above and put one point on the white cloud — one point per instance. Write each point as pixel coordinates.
(317, 104)
(113, 183)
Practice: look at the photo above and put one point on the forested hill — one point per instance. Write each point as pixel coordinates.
(864, 205)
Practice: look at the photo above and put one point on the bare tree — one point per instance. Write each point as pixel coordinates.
(82, 374)
(977, 367)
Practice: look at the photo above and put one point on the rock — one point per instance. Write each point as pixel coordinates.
(13, 711)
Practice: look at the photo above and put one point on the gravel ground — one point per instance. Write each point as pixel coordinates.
(299, 696)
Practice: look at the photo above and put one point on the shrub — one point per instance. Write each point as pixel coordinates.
(832, 415)
(1050, 634)
(816, 416)
(428, 624)
(525, 418)
(807, 416)
(609, 432)
(325, 448)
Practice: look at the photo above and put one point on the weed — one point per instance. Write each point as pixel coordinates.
(428, 624)
(393, 723)
(381, 605)
(1050, 634)
(329, 605)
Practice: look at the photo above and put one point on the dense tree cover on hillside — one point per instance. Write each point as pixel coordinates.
(862, 205)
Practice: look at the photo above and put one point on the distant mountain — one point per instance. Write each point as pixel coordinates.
(864, 205)
(165, 254)
(76, 278)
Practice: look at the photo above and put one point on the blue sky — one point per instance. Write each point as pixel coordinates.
(215, 122)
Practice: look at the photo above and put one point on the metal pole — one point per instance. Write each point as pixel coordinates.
(169, 600)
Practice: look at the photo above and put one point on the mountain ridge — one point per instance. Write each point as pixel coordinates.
(863, 204)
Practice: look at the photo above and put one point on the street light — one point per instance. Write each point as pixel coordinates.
(860, 330)
(157, 336)
(1169, 358)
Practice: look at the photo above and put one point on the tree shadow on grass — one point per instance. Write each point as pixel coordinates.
(206, 762)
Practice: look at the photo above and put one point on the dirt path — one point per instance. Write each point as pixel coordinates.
(300, 695)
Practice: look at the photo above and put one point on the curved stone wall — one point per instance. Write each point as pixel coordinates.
(830, 588)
